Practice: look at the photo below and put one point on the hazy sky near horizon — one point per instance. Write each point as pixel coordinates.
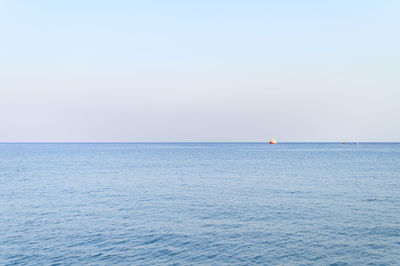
(199, 70)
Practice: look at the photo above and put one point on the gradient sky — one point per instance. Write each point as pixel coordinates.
(199, 70)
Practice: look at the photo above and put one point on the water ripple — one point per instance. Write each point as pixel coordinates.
(210, 204)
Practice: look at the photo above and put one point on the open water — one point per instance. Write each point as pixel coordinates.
(200, 203)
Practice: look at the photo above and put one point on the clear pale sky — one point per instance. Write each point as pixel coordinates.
(199, 70)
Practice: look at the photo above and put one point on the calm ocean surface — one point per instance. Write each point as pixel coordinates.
(192, 203)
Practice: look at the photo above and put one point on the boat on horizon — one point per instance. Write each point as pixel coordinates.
(272, 141)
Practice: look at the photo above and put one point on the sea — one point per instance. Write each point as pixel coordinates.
(199, 204)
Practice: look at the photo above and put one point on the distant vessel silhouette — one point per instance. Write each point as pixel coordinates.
(356, 143)
(272, 141)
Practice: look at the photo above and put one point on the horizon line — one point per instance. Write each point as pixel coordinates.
(172, 142)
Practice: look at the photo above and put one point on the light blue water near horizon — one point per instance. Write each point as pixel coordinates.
(200, 203)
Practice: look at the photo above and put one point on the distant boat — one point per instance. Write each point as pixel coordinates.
(356, 143)
(272, 141)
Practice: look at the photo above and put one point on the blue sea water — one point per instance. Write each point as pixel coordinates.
(200, 203)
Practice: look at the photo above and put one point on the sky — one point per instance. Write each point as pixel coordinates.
(209, 70)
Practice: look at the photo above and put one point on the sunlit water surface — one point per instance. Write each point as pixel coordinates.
(209, 203)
